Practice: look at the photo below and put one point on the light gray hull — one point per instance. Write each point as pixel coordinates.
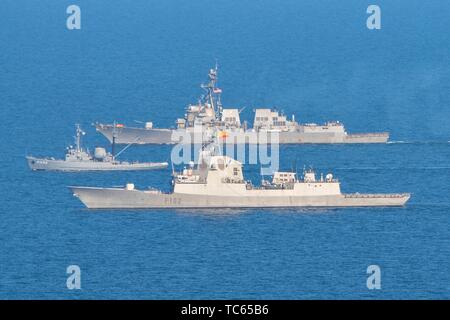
(129, 135)
(61, 165)
(331, 138)
(113, 198)
(137, 135)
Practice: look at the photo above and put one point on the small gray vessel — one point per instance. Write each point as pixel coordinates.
(78, 159)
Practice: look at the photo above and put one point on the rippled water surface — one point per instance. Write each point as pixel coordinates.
(143, 60)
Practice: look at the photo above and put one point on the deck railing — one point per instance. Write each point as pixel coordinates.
(376, 195)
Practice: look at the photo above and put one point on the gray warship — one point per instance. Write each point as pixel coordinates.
(208, 114)
(78, 159)
(217, 181)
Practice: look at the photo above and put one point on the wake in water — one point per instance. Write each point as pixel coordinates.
(418, 142)
(395, 168)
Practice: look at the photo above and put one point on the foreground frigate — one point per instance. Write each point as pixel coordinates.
(208, 114)
(78, 159)
(217, 182)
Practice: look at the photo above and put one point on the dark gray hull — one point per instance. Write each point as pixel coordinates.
(129, 135)
(61, 165)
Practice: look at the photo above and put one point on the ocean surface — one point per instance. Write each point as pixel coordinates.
(144, 60)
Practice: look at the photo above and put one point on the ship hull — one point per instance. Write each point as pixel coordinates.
(127, 135)
(36, 164)
(114, 198)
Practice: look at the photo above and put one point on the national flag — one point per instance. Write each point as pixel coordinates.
(223, 134)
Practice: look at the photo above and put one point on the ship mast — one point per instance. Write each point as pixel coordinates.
(213, 96)
(113, 144)
(78, 137)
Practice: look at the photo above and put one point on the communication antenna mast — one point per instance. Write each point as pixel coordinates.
(113, 144)
(213, 92)
(79, 133)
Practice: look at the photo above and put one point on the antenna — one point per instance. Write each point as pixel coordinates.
(294, 165)
(218, 91)
(126, 147)
(113, 144)
(78, 137)
(212, 91)
(261, 173)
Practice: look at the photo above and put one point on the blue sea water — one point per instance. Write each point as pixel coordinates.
(143, 60)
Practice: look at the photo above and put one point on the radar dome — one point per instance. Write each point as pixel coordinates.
(100, 153)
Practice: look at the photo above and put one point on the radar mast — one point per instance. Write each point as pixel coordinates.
(79, 133)
(213, 93)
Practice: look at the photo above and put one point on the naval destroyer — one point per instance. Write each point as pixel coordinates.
(217, 181)
(208, 114)
(79, 159)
